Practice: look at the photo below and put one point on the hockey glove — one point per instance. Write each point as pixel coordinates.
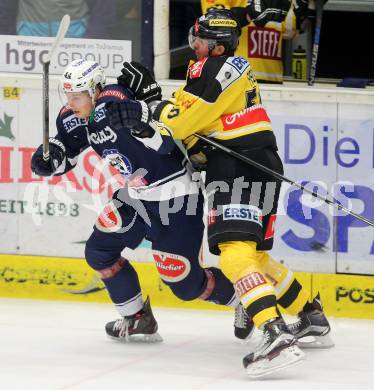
(132, 114)
(141, 81)
(304, 10)
(57, 156)
(264, 11)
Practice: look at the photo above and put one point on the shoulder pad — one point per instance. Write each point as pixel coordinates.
(206, 68)
(64, 112)
(239, 63)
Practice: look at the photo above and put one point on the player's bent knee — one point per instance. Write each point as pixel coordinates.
(185, 293)
(92, 253)
(195, 289)
(97, 258)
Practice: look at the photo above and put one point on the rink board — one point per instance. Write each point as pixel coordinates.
(69, 279)
(325, 137)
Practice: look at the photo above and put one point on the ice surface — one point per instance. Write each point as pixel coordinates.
(61, 345)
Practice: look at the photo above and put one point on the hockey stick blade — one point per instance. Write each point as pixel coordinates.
(63, 28)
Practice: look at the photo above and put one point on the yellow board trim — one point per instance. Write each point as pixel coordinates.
(53, 278)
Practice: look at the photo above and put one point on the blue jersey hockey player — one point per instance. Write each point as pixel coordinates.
(157, 182)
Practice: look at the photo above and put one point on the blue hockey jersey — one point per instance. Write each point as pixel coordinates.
(155, 168)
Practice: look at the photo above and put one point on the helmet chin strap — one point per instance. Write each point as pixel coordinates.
(211, 48)
(92, 115)
(97, 89)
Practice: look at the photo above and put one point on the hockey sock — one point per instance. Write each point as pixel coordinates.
(122, 283)
(218, 288)
(291, 295)
(238, 261)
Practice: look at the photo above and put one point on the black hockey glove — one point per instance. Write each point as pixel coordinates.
(140, 80)
(304, 11)
(132, 114)
(264, 11)
(57, 156)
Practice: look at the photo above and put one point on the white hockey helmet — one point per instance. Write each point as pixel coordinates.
(81, 75)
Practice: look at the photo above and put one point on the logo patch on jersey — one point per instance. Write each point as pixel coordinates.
(270, 227)
(109, 221)
(99, 112)
(172, 268)
(231, 71)
(264, 43)
(195, 70)
(212, 217)
(239, 63)
(99, 137)
(242, 212)
(113, 93)
(72, 122)
(118, 161)
(247, 117)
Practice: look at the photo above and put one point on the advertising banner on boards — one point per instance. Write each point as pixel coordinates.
(327, 146)
(19, 54)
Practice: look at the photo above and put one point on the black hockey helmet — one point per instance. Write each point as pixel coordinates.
(219, 27)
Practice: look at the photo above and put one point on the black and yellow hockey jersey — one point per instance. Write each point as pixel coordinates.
(261, 45)
(221, 100)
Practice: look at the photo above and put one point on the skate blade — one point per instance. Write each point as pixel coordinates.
(315, 342)
(286, 358)
(140, 338)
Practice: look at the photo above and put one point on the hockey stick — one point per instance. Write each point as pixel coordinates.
(280, 177)
(317, 35)
(64, 25)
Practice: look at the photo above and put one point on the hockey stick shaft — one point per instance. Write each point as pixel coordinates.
(46, 111)
(316, 39)
(64, 25)
(280, 177)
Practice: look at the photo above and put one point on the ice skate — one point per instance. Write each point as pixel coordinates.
(140, 327)
(312, 329)
(243, 324)
(278, 350)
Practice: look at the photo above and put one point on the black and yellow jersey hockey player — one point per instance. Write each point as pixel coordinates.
(262, 37)
(221, 100)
